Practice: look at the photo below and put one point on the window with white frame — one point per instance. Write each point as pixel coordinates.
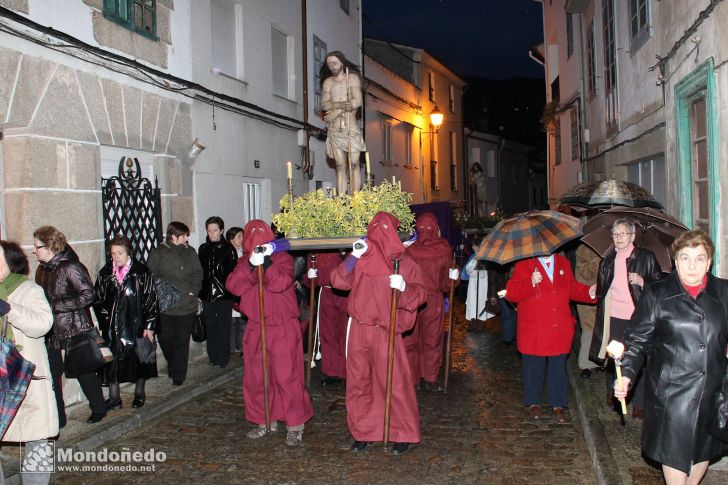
(610, 64)
(699, 152)
(251, 202)
(591, 67)
(574, 133)
(319, 57)
(453, 161)
(407, 144)
(431, 86)
(386, 140)
(639, 22)
(224, 37)
(280, 60)
(569, 35)
(649, 174)
(452, 99)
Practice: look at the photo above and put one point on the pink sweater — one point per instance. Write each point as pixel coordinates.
(621, 304)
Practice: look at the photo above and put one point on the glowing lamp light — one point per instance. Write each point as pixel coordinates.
(436, 118)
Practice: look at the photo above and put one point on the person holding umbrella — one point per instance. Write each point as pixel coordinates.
(30, 318)
(288, 399)
(623, 274)
(370, 272)
(546, 327)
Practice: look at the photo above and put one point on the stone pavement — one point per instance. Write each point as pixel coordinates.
(474, 433)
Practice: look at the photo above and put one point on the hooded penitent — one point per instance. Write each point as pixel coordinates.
(255, 233)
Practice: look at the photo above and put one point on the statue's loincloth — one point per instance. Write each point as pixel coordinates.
(340, 140)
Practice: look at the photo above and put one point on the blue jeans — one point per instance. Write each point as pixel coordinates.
(507, 320)
(557, 386)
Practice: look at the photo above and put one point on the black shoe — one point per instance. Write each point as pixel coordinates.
(359, 446)
(111, 405)
(585, 374)
(138, 402)
(176, 382)
(95, 417)
(431, 386)
(331, 381)
(599, 370)
(400, 448)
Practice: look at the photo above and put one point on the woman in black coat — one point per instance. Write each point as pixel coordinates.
(679, 333)
(126, 309)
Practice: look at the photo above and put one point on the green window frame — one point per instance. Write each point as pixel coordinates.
(139, 16)
(698, 84)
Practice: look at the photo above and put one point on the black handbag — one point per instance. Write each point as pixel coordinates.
(168, 295)
(719, 426)
(146, 350)
(199, 327)
(85, 352)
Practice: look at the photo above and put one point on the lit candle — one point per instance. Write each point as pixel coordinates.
(369, 170)
(290, 169)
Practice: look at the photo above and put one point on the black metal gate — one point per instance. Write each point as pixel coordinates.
(132, 207)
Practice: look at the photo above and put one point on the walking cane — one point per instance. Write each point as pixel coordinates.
(390, 359)
(261, 305)
(312, 308)
(448, 342)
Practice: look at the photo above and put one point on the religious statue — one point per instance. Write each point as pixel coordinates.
(477, 182)
(341, 97)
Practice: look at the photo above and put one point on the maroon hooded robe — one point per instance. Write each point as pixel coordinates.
(369, 309)
(424, 343)
(332, 315)
(288, 398)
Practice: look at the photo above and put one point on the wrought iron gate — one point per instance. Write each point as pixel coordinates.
(132, 207)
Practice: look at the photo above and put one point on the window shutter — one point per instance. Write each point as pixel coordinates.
(224, 42)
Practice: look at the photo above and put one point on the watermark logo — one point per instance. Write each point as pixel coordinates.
(44, 457)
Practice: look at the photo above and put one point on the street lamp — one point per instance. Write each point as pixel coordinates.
(436, 118)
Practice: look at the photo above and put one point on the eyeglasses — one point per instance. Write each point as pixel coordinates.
(617, 235)
(38, 247)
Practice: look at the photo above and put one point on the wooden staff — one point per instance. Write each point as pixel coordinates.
(348, 136)
(311, 319)
(448, 341)
(261, 305)
(390, 359)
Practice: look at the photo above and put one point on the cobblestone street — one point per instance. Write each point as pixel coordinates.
(476, 433)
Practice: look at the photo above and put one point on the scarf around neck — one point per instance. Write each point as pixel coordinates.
(7, 286)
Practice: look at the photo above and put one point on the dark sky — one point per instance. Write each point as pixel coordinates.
(485, 38)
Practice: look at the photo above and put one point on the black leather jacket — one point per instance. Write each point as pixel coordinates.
(643, 262)
(218, 260)
(125, 310)
(681, 343)
(70, 292)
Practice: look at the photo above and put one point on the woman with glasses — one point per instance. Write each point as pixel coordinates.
(70, 292)
(623, 275)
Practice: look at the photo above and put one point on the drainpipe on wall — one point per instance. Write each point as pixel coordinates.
(582, 109)
(304, 53)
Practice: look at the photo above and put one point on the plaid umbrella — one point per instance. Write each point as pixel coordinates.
(535, 233)
(609, 193)
(655, 231)
(15, 375)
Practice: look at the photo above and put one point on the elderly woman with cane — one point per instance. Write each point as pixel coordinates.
(274, 390)
(678, 334)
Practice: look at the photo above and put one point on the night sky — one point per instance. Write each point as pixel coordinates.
(483, 38)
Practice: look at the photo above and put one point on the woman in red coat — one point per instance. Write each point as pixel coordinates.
(424, 343)
(367, 272)
(543, 287)
(288, 399)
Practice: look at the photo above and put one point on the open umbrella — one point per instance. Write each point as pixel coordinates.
(534, 233)
(608, 193)
(655, 231)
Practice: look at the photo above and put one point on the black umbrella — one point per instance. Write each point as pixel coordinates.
(608, 193)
